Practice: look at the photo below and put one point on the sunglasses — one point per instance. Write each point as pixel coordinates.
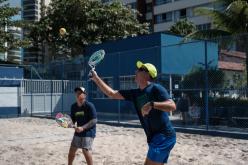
(143, 69)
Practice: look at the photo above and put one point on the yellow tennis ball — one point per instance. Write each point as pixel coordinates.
(62, 31)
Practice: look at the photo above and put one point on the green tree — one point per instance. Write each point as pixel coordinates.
(195, 79)
(7, 39)
(241, 80)
(183, 27)
(232, 20)
(230, 25)
(86, 22)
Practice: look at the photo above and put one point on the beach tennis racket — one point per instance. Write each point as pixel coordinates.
(95, 59)
(64, 120)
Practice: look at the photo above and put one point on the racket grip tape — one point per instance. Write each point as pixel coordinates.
(90, 73)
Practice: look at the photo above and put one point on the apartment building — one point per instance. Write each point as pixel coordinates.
(14, 55)
(167, 12)
(162, 14)
(32, 13)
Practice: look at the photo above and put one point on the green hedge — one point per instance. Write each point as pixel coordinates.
(229, 102)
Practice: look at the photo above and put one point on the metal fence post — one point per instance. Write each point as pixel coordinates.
(206, 85)
(119, 102)
(31, 90)
(51, 91)
(62, 95)
(170, 91)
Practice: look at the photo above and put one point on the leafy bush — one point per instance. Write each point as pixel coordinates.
(230, 102)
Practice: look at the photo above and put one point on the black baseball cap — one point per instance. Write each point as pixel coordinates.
(80, 89)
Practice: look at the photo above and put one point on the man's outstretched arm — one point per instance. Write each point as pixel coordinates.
(107, 90)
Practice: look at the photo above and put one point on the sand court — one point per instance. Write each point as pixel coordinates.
(25, 141)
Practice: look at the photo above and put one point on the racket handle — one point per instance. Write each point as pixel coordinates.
(90, 73)
(71, 125)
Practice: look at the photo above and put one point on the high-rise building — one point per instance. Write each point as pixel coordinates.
(32, 9)
(162, 14)
(167, 12)
(14, 55)
(32, 12)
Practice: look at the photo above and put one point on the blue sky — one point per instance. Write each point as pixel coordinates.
(16, 3)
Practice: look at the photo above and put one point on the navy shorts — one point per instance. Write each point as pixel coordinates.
(160, 147)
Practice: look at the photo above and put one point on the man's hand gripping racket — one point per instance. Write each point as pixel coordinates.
(95, 59)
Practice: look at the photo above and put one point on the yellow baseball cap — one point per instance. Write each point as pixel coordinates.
(151, 68)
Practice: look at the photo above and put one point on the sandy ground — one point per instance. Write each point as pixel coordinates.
(41, 141)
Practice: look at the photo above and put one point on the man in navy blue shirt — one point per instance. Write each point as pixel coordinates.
(84, 114)
(152, 102)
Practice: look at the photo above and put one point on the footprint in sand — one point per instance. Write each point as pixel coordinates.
(51, 154)
(138, 157)
(192, 159)
(206, 145)
(244, 150)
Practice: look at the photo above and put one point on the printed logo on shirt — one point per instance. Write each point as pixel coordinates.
(79, 113)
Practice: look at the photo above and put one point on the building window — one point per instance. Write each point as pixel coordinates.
(149, 7)
(204, 26)
(165, 17)
(160, 2)
(31, 18)
(33, 7)
(29, 2)
(127, 82)
(26, 13)
(32, 60)
(97, 93)
(219, 6)
(132, 5)
(183, 13)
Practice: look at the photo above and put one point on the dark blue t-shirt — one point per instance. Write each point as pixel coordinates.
(156, 121)
(83, 115)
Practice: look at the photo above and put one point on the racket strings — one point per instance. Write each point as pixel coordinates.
(64, 120)
(96, 58)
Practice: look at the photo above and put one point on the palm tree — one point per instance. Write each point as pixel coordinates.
(183, 27)
(232, 21)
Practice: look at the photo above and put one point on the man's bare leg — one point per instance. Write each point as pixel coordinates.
(71, 155)
(150, 162)
(88, 156)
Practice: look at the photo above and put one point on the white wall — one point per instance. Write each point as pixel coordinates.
(9, 97)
